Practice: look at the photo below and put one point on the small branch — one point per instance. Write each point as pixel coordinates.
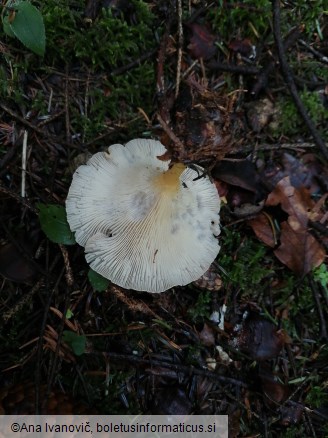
(314, 52)
(185, 369)
(24, 160)
(178, 143)
(232, 68)
(322, 319)
(67, 116)
(134, 305)
(180, 33)
(246, 148)
(262, 77)
(21, 119)
(288, 76)
(35, 128)
(133, 64)
(18, 198)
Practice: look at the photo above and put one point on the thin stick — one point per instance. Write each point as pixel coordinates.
(180, 33)
(288, 76)
(317, 54)
(178, 143)
(24, 154)
(185, 369)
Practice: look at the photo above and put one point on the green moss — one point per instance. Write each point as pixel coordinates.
(290, 121)
(227, 21)
(91, 51)
(317, 397)
(201, 309)
(320, 274)
(255, 18)
(103, 43)
(243, 261)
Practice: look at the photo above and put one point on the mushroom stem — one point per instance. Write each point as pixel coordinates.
(169, 181)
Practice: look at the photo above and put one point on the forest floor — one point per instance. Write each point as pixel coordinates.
(240, 88)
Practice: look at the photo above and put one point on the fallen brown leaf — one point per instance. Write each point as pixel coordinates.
(242, 46)
(263, 230)
(258, 338)
(201, 42)
(299, 250)
(296, 202)
(207, 336)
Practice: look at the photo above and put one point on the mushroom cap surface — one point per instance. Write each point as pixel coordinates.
(144, 226)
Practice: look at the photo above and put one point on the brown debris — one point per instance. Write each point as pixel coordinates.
(201, 42)
(20, 399)
(257, 337)
(298, 249)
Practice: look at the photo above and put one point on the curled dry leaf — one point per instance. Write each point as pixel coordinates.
(207, 336)
(171, 400)
(296, 202)
(263, 229)
(242, 46)
(201, 42)
(298, 249)
(258, 338)
(303, 172)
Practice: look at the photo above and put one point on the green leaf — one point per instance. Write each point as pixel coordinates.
(7, 26)
(69, 314)
(27, 25)
(75, 341)
(54, 224)
(98, 282)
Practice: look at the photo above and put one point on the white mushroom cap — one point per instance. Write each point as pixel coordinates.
(144, 226)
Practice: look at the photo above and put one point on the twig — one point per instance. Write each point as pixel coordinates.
(187, 370)
(35, 128)
(262, 78)
(133, 64)
(322, 320)
(67, 121)
(178, 143)
(287, 74)
(160, 82)
(321, 228)
(21, 119)
(134, 305)
(18, 198)
(232, 68)
(49, 119)
(24, 154)
(180, 34)
(42, 330)
(269, 147)
(69, 282)
(67, 264)
(317, 54)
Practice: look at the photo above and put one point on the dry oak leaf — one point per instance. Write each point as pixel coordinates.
(263, 230)
(296, 202)
(298, 250)
(201, 42)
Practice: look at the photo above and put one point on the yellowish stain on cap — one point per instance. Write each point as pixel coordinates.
(169, 181)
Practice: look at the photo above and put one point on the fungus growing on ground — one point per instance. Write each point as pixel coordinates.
(145, 225)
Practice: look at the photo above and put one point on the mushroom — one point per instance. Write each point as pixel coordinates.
(145, 224)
